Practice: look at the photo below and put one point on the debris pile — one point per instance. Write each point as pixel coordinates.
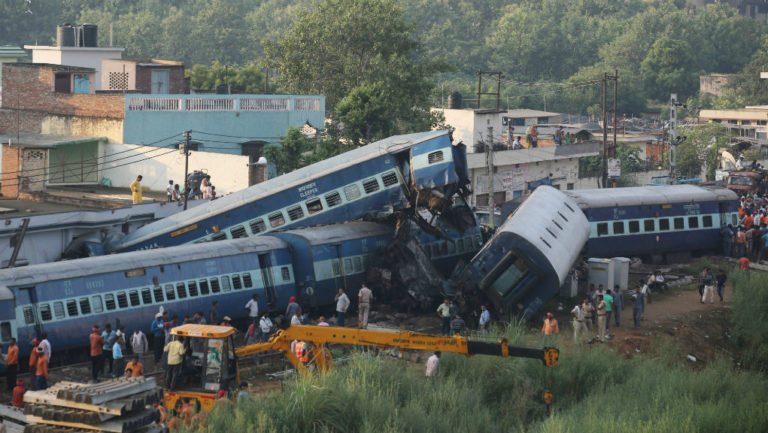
(119, 405)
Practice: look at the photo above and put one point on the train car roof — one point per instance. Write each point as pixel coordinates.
(34, 274)
(267, 188)
(338, 232)
(647, 195)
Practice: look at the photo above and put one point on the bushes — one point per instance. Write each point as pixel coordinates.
(594, 389)
(750, 318)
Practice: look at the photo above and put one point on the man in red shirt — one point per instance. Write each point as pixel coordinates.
(12, 363)
(33, 356)
(97, 354)
(18, 394)
(744, 265)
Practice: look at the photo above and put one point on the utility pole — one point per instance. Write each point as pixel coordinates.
(497, 93)
(673, 138)
(615, 104)
(186, 168)
(605, 133)
(491, 182)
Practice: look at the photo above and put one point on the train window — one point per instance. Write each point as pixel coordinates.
(663, 224)
(219, 237)
(215, 285)
(276, 219)
(286, 273)
(602, 229)
(247, 280)
(351, 192)
(45, 312)
(314, 206)
(618, 227)
(734, 219)
(706, 220)
(649, 226)
(72, 308)
(133, 296)
(451, 247)
(693, 222)
(96, 304)
(347, 266)
(365, 262)
(460, 245)
(428, 252)
(436, 250)
(146, 296)
(389, 178)
(158, 294)
(237, 283)
(358, 264)
(225, 286)
(634, 226)
(435, 157)
(336, 267)
(109, 301)
(192, 287)
(122, 300)
(333, 199)
(85, 306)
(29, 315)
(169, 293)
(5, 331)
(258, 226)
(181, 290)
(468, 243)
(295, 213)
(679, 223)
(371, 185)
(238, 232)
(204, 290)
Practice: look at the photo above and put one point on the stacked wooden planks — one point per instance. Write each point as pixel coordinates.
(122, 405)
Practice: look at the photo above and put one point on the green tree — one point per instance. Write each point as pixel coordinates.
(343, 44)
(699, 150)
(668, 69)
(290, 154)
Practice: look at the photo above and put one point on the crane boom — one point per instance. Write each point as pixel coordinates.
(320, 336)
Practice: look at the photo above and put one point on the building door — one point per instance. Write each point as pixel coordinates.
(160, 81)
(82, 84)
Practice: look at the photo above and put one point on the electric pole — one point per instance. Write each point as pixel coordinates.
(673, 138)
(491, 182)
(186, 168)
(480, 92)
(605, 133)
(615, 103)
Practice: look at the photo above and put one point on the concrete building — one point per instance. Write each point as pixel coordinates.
(749, 122)
(140, 130)
(9, 55)
(143, 76)
(87, 57)
(471, 125)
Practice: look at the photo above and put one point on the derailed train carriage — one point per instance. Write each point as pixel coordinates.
(528, 259)
(405, 171)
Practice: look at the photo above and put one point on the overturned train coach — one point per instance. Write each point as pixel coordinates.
(65, 299)
(528, 259)
(405, 171)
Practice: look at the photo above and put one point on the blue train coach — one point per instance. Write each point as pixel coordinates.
(65, 299)
(528, 259)
(651, 220)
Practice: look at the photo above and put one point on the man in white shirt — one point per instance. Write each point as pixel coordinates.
(253, 307)
(433, 365)
(342, 303)
(485, 318)
(646, 291)
(265, 324)
(579, 326)
(169, 191)
(139, 344)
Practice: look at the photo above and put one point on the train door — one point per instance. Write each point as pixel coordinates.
(265, 264)
(725, 216)
(339, 275)
(27, 314)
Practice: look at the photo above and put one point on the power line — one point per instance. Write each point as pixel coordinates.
(233, 136)
(105, 156)
(96, 166)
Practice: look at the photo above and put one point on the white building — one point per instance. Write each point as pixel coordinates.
(88, 57)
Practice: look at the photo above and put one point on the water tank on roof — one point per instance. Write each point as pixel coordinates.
(455, 100)
(65, 35)
(90, 35)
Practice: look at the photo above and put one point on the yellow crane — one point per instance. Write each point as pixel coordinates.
(213, 357)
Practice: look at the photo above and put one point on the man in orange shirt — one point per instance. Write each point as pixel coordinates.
(137, 370)
(12, 363)
(41, 373)
(18, 394)
(97, 353)
(33, 357)
(550, 329)
(741, 242)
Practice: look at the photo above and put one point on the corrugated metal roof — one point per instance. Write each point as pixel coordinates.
(11, 51)
(339, 232)
(46, 140)
(524, 112)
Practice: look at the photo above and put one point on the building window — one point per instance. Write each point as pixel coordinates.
(62, 83)
(569, 186)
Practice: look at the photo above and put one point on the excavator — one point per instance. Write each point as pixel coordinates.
(211, 360)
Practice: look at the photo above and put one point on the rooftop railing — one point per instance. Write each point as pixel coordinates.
(223, 103)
